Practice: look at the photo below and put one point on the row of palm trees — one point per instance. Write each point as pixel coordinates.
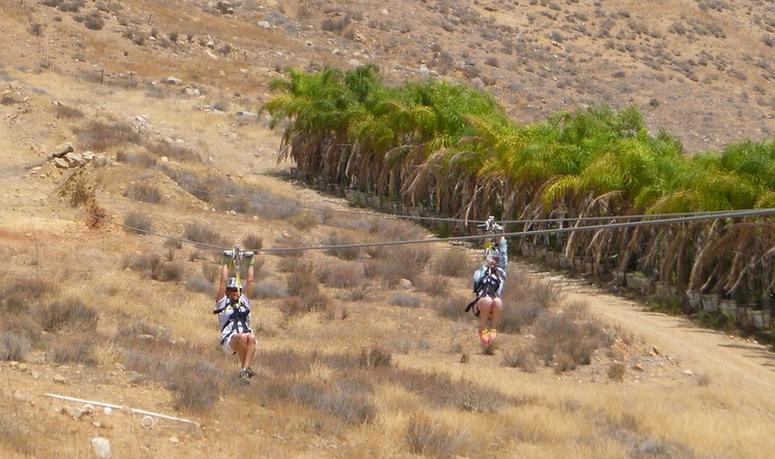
(451, 149)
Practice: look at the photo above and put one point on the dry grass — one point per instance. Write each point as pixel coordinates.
(568, 338)
(99, 136)
(524, 299)
(252, 242)
(341, 275)
(405, 300)
(63, 111)
(616, 371)
(137, 222)
(70, 314)
(430, 437)
(14, 346)
(197, 232)
(195, 383)
(521, 358)
(436, 286)
(74, 349)
(451, 262)
(343, 253)
(144, 192)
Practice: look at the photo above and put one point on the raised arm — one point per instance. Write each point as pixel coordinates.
(249, 281)
(222, 283)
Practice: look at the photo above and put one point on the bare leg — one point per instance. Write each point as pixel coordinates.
(251, 350)
(497, 310)
(485, 306)
(239, 344)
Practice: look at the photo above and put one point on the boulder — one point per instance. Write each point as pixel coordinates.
(264, 25)
(171, 80)
(61, 163)
(61, 150)
(247, 117)
(74, 159)
(101, 447)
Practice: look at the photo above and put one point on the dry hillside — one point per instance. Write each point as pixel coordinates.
(363, 353)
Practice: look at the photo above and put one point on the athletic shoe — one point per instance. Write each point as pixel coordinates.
(493, 335)
(484, 336)
(250, 372)
(244, 376)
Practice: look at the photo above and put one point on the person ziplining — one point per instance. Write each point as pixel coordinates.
(488, 282)
(233, 309)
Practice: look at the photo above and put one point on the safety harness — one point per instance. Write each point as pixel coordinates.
(487, 286)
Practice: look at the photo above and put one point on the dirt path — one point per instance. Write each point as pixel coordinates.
(730, 361)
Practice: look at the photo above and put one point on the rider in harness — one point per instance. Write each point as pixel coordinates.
(488, 283)
(233, 309)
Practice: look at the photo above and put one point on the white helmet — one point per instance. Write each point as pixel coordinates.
(232, 284)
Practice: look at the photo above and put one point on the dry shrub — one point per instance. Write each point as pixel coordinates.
(197, 283)
(71, 314)
(341, 275)
(433, 285)
(79, 189)
(524, 299)
(303, 283)
(269, 289)
(568, 337)
(343, 253)
(252, 242)
(401, 262)
(521, 358)
(375, 357)
(304, 220)
(96, 215)
(144, 192)
(616, 371)
(14, 346)
(452, 307)
(137, 222)
(74, 349)
(173, 150)
(63, 111)
(143, 263)
(430, 437)
(99, 136)
(72, 6)
(405, 300)
(703, 380)
(450, 263)
(197, 232)
(196, 383)
(143, 328)
(18, 296)
(133, 157)
(441, 390)
(165, 271)
(17, 436)
(94, 21)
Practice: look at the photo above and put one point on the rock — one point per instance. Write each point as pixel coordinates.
(688, 373)
(264, 25)
(424, 71)
(100, 161)
(405, 283)
(59, 379)
(194, 92)
(655, 350)
(354, 62)
(384, 11)
(638, 367)
(171, 80)
(74, 159)
(174, 440)
(101, 447)
(88, 156)
(211, 55)
(359, 37)
(61, 150)
(247, 117)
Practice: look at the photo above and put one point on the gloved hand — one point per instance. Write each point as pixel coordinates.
(252, 260)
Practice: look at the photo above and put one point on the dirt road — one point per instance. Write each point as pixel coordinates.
(728, 360)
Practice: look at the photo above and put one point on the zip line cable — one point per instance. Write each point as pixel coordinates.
(463, 220)
(665, 221)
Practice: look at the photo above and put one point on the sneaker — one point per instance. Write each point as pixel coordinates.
(484, 336)
(244, 376)
(250, 372)
(493, 334)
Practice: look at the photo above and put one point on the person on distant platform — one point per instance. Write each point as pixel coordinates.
(488, 283)
(233, 308)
